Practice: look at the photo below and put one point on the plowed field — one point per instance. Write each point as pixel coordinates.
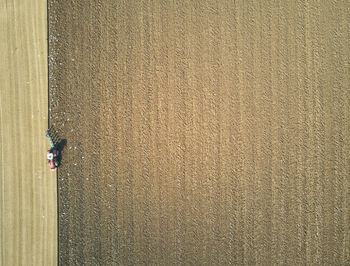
(202, 132)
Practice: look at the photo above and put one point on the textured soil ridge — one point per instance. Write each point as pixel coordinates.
(202, 132)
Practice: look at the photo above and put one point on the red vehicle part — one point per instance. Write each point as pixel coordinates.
(52, 157)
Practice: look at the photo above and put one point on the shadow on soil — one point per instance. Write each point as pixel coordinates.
(61, 144)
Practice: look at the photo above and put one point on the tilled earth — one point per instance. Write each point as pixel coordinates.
(202, 132)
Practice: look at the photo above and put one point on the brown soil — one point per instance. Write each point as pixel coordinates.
(202, 132)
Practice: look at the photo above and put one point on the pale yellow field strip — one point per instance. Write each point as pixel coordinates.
(28, 189)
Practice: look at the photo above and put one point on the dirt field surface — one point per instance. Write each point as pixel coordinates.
(28, 209)
(202, 132)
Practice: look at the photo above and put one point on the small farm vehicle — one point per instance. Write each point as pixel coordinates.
(53, 154)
